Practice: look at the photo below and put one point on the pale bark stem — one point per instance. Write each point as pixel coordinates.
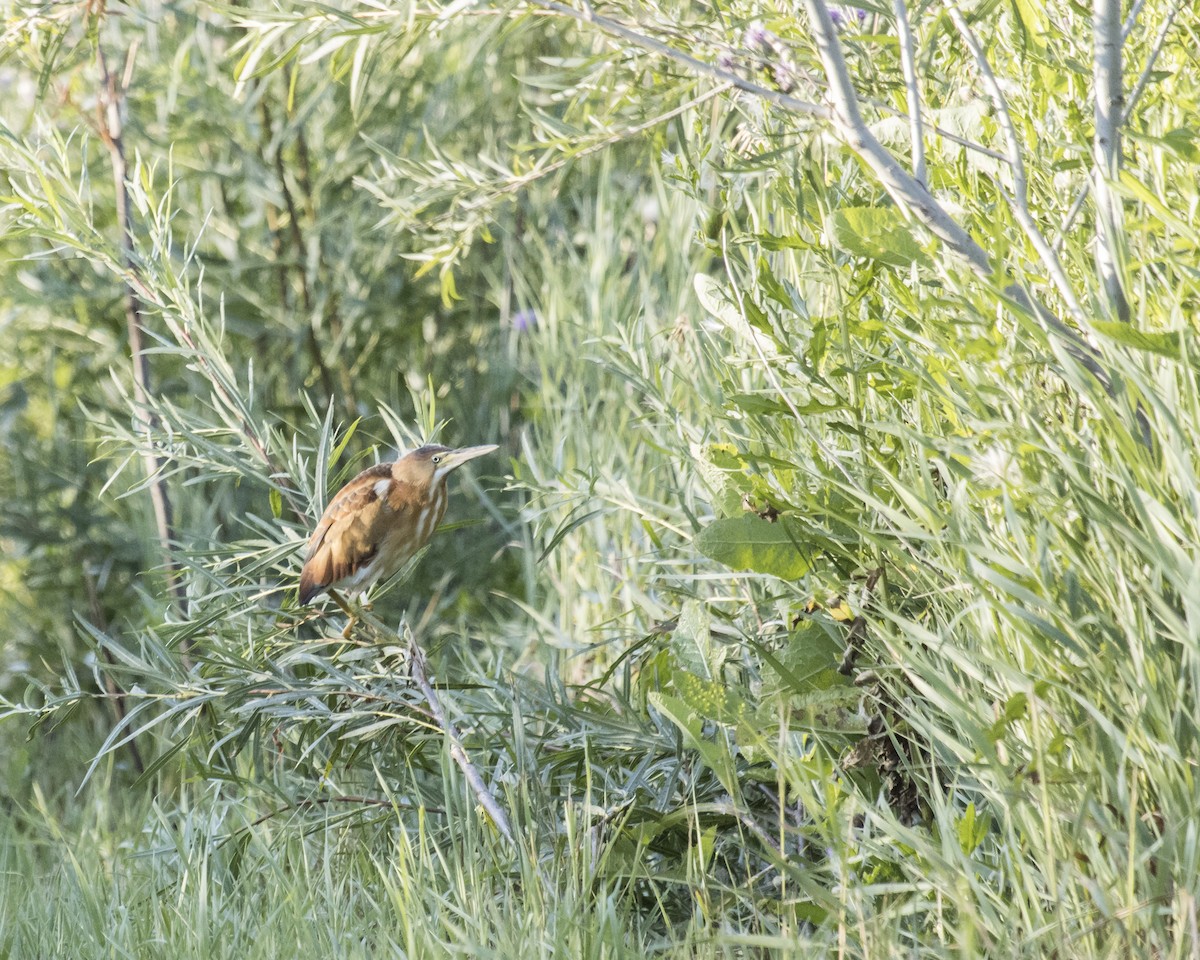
(1106, 73)
(109, 102)
(908, 63)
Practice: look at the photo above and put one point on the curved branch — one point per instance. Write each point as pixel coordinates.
(912, 196)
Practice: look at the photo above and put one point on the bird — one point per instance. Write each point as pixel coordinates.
(378, 521)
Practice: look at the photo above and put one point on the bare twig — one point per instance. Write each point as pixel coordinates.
(110, 101)
(1131, 20)
(912, 196)
(1106, 73)
(1019, 201)
(486, 798)
(908, 63)
(1131, 103)
(470, 771)
(903, 187)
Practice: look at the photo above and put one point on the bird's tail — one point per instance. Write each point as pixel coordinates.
(310, 586)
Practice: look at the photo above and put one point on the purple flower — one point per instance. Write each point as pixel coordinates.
(842, 16)
(726, 61)
(757, 36)
(524, 320)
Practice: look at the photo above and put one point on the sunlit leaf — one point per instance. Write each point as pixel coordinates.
(751, 543)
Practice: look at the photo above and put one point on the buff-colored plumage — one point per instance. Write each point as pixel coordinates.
(379, 520)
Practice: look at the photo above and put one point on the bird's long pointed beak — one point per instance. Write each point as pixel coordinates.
(456, 458)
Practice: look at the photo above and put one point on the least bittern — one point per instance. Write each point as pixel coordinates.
(378, 521)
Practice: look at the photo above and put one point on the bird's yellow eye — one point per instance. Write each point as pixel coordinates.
(436, 458)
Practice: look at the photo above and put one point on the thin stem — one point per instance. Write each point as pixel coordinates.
(912, 195)
(794, 104)
(110, 101)
(908, 64)
(116, 695)
(293, 216)
(420, 674)
(537, 172)
(1019, 200)
(1106, 73)
(320, 801)
(457, 751)
(1107, 144)
(1135, 95)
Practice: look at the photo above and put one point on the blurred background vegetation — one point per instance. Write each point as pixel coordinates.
(833, 591)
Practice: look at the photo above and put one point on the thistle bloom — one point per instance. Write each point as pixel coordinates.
(524, 320)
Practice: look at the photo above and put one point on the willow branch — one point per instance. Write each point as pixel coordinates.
(458, 752)
(1106, 74)
(908, 64)
(1019, 201)
(910, 195)
(485, 797)
(110, 102)
(703, 68)
(1131, 103)
(695, 66)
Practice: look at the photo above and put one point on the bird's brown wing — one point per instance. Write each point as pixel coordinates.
(348, 534)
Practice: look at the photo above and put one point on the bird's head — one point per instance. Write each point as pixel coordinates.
(428, 466)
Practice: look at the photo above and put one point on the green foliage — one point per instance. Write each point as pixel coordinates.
(753, 543)
(831, 600)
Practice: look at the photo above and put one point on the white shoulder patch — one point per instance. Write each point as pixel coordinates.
(381, 487)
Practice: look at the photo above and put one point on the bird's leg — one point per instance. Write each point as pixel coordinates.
(337, 598)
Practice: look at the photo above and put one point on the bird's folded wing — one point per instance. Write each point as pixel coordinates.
(350, 532)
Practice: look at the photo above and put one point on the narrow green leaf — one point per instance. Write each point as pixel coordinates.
(1166, 344)
(714, 754)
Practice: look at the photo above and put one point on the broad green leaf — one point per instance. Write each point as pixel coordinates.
(749, 542)
(877, 233)
(808, 660)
